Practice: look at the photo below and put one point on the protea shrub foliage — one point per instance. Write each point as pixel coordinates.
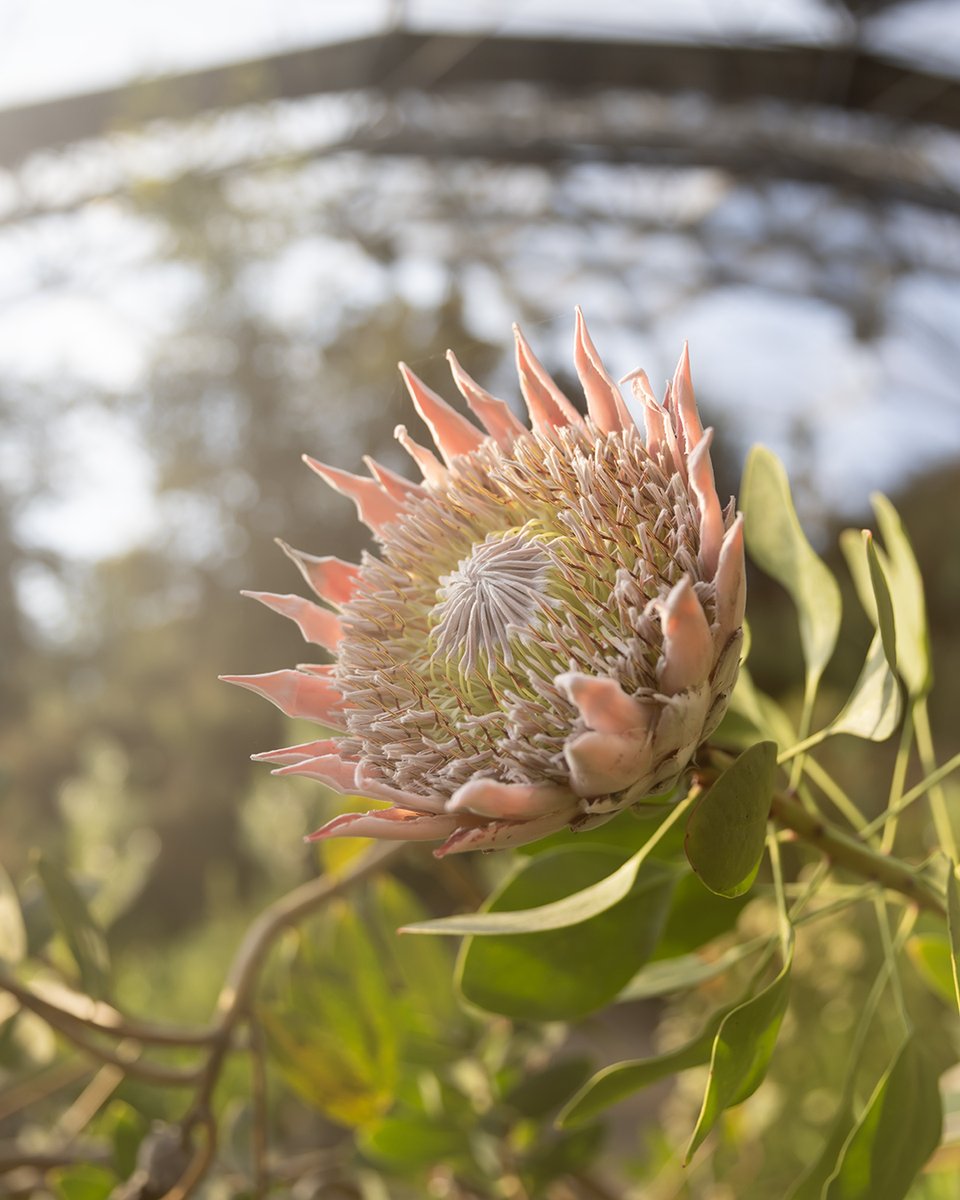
(546, 647)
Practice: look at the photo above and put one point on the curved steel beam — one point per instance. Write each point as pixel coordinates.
(833, 77)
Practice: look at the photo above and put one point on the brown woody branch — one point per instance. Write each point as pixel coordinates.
(86, 1024)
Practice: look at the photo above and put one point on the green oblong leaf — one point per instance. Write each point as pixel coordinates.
(883, 599)
(870, 570)
(872, 710)
(741, 1052)
(778, 545)
(953, 926)
(412, 1142)
(571, 910)
(697, 917)
(616, 1082)
(895, 1135)
(83, 1182)
(810, 1185)
(726, 831)
(13, 932)
(565, 973)
(83, 936)
(930, 954)
(623, 1079)
(906, 593)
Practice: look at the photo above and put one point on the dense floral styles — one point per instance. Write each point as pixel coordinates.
(553, 626)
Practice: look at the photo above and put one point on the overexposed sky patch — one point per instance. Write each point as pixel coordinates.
(927, 31)
(106, 501)
(71, 336)
(55, 47)
(779, 365)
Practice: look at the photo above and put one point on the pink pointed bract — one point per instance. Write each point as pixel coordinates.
(553, 626)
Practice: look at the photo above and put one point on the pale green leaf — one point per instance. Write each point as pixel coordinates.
(873, 709)
(559, 914)
(565, 973)
(909, 606)
(727, 830)
(742, 1051)
(870, 570)
(895, 1134)
(13, 933)
(851, 543)
(687, 971)
(572, 909)
(777, 544)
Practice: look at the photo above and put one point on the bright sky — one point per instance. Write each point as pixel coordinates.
(54, 47)
(100, 328)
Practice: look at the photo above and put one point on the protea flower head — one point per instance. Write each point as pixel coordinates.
(553, 626)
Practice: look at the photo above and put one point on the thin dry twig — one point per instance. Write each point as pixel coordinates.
(61, 1075)
(236, 995)
(101, 1018)
(14, 1157)
(86, 1106)
(126, 1055)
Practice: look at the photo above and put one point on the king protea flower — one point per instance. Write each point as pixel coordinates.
(553, 626)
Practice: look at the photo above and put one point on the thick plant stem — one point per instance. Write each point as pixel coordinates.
(852, 855)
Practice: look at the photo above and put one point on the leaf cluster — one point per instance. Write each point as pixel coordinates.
(403, 1063)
